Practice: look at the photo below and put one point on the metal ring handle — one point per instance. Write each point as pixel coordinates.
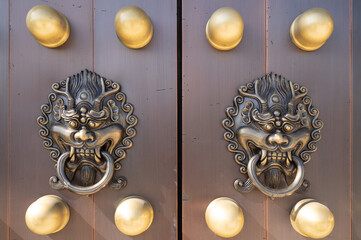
(88, 189)
(273, 193)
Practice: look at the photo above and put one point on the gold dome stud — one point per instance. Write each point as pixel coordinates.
(224, 217)
(133, 215)
(310, 30)
(133, 27)
(48, 26)
(224, 29)
(312, 219)
(49, 214)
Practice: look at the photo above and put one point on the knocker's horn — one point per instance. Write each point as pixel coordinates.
(274, 193)
(243, 91)
(56, 87)
(104, 93)
(88, 189)
(293, 101)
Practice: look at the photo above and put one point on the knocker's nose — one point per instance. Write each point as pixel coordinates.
(84, 135)
(278, 138)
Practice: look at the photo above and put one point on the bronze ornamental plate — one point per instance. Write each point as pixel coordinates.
(87, 125)
(272, 128)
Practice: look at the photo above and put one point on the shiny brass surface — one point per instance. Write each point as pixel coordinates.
(49, 214)
(133, 215)
(224, 29)
(87, 126)
(310, 30)
(272, 128)
(48, 26)
(312, 219)
(133, 27)
(224, 217)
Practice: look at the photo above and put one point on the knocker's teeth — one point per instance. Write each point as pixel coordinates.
(72, 159)
(289, 155)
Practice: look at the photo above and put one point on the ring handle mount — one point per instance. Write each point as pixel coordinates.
(86, 190)
(276, 193)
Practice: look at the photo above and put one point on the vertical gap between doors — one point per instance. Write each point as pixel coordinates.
(266, 4)
(8, 132)
(179, 118)
(92, 46)
(351, 116)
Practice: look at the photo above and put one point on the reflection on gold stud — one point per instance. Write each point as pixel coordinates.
(310, 30)
(48, 26)
(224, 28)
(224, 217)
(133, 27)
(133, 215)
(312, 219)
(49, 214)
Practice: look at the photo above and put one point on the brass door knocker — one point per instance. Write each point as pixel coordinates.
(87, 126)
(272, 128)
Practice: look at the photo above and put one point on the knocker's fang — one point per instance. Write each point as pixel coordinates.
(72, 155)
(263, 161)
(97, 154)
(289, 159)
(97, 160)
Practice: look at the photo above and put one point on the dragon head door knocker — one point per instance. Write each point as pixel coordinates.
(272, 128)
(87, 126)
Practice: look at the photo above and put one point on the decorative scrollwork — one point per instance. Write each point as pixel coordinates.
(86, 124)
(229, 135)
(272, 128)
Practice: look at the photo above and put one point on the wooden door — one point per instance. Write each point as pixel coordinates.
(211, 79)
(148, 77)
(180, 86)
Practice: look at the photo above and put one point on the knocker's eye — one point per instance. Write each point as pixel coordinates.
(288, 127)
(267, 127)
(73, 123)
(94, 124)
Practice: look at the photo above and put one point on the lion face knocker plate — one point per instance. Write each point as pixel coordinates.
(87, 126)
(272, 128)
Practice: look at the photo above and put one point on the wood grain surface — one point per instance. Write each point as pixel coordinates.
(4, 70)
(33, 70)
(326, 74)
(356, 130)
(210, 81)
(148, 77)
(209, 76)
